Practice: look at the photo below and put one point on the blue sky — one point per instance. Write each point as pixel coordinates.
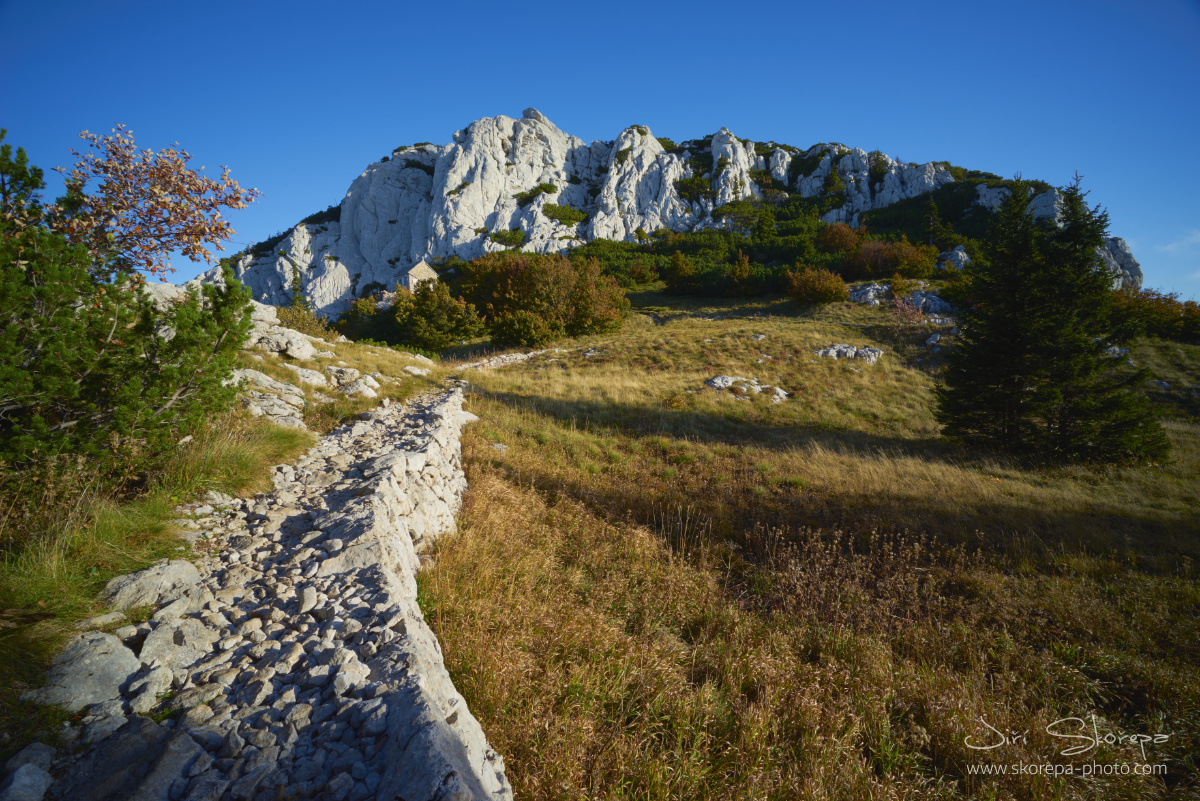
(297, 98)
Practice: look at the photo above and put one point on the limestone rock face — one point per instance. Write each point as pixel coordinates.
(639, 189)
(1117, 256)
(900, 180)
(429, 202)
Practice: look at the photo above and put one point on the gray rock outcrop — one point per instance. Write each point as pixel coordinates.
(741, 387)
(155, 585)
(27, 783)
(93, 668)
(869, 355)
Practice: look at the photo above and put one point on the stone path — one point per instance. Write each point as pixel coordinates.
(295, 663)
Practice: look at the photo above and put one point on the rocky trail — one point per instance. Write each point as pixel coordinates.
(292, 661)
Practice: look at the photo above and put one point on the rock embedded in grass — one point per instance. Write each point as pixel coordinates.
(94, 667)
(744, 386)
(869, 355)
(159, 584)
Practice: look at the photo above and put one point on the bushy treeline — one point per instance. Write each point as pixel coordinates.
(757, 250)
(520, 299)
(88, 365)
(1159, 314)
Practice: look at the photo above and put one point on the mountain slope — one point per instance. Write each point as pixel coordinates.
(502, 175)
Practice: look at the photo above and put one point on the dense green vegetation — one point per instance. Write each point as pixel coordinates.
(566, 215)
(513, 239)
(88, 365)
(529, 195)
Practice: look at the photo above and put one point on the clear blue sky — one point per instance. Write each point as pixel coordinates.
(298, 97)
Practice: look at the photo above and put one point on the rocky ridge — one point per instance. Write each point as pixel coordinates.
(430, 202)
(294, 660)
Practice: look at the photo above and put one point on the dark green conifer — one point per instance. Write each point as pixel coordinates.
(1030, 372)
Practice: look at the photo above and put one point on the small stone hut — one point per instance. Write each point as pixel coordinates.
(421, 271)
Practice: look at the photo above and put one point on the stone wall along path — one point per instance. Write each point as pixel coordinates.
(299, 664)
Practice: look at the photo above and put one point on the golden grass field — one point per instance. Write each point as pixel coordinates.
(664, 591)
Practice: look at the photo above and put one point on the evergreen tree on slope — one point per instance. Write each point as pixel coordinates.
(1030, 372)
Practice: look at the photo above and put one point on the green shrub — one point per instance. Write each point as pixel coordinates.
(803, 166)
(877, 167)
(810, 285)
(430, 318)
(564, 214)
(419, 165)
(371, 288)
(513, 239)
(331, 214)
(524, 329)
(528, 196)
(623, 154)
(555, 296)
(667, 144)
(365, 320)
(694, 188)
(834, 185)
(88, 367)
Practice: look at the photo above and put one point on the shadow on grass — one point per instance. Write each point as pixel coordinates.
(655, 420)
(743, 509)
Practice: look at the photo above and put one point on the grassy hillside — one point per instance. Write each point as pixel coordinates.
(664, 591)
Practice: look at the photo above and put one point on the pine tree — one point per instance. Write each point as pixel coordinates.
(299, 299)
(1030, 372)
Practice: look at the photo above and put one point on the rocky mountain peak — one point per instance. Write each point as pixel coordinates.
(501, 175)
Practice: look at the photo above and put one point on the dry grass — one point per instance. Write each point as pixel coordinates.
(661, 591)
(62, 540)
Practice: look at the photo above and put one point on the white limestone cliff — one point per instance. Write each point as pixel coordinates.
(432, 203)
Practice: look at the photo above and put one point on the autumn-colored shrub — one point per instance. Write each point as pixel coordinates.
(642, 273)
(568, 298)
(874, 259)
(901, 286)
(302, 319)
(1158, 314)
(839, 238)
(812, 285)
